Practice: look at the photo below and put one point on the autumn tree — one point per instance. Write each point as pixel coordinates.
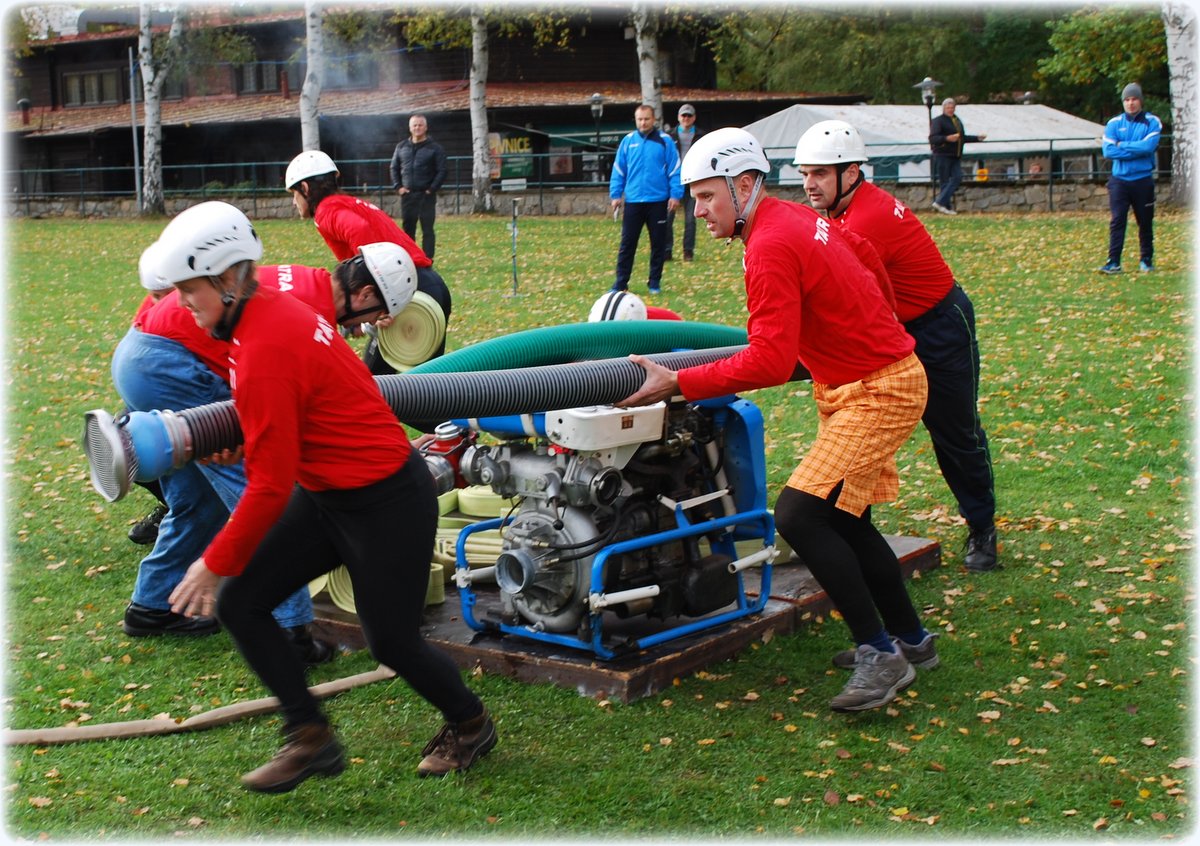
(1096, 51)
(157, 57)
(1179, 21)
(310, 91)
(472, 26)
(194, 41)
(877, 52)
(645, 25)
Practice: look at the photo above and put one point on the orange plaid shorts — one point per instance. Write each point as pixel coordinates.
(860, 426)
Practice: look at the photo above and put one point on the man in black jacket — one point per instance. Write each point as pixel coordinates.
(418, 171)
(946, 139)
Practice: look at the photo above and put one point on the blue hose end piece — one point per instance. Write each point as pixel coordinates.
(150, 438)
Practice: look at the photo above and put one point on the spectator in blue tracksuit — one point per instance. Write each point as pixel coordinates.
(645, 177)
(1130, 141)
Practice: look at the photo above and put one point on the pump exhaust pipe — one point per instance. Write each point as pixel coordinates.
(144, 445)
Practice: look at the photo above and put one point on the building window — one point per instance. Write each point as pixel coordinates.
(92, 88)
(351, 72)
(258, 77)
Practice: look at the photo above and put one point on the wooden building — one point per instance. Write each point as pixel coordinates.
(71, 118)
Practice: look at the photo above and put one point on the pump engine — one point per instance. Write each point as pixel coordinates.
(622, 511)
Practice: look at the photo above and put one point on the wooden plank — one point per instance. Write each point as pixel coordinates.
(795, 598)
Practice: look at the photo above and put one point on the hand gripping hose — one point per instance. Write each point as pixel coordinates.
(146, 445)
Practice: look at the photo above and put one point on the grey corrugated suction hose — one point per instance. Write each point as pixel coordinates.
(147, 445)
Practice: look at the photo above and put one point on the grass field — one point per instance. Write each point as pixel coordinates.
(1062, 707)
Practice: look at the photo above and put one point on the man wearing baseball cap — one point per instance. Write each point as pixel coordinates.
(1130, 141)
(684, 135)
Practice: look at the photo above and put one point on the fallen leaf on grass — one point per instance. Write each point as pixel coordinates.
(988, 716)
(40, 801)
(832, 798)
(1149, 741)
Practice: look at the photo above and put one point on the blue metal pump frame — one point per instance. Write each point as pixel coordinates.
(745, 466)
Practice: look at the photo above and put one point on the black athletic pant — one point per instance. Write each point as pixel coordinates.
(1122, 196)
(419, 207)
(949, 350)
(653, 216)
(851, 561)
(384, 535)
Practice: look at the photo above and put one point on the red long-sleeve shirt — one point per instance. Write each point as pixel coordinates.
(168, 319)
(144, 306)
(310, 413)
(920, 276)
(347, 223)
(811, 300)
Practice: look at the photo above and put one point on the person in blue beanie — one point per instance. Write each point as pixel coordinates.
(1130, 142)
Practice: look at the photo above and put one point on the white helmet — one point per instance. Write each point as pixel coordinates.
(830, 142)
(308, 164)
(148, 269)
(205, 240)
(723, 152)
(618, 305)
(394, 273)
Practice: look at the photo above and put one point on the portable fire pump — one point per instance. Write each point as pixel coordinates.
(622, 512)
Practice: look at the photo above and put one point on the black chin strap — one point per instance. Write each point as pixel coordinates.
(223, 331)
(837, 198)
(740, 222)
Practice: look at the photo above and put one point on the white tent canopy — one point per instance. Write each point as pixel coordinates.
(897, 135)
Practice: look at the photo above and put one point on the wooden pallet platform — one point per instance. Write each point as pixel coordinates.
(794, 598)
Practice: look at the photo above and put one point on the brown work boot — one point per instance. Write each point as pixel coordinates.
(457, 746)
(308, 750)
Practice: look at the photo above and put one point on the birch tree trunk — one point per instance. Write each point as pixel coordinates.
(481, 161)
(310, 92)
(1180, 22)
(154, 75)
(645, 22)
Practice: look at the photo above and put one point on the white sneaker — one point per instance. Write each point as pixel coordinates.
(943, 209)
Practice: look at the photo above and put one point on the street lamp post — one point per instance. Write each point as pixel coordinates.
(927, 86)
(597, 113)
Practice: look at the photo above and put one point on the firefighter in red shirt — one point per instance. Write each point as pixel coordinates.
(813, 302)
(332, 480)
(934, 310)
(347, 223)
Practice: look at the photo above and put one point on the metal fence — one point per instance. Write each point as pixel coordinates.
(529, 172)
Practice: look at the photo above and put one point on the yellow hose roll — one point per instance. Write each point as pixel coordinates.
(341, 591)
(482, 501)
(447, 502)
(415, 334)
(435, 594)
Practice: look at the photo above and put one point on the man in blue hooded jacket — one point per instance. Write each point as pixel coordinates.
(1130, 141)
(645, 177)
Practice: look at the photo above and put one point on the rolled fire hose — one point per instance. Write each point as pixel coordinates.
(209, 719)
(146, 445)
(414, 335)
